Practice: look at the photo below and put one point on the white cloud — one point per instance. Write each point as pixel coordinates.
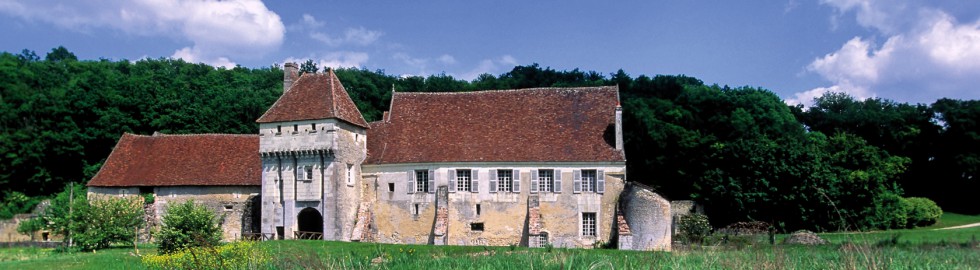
(489, 66)
(446, 59)
(928, 54)
(335, 59)
(359, 36)
(217, 29)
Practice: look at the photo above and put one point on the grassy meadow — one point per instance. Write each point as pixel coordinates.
(921, 248)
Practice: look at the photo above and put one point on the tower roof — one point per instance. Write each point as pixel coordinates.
(315, 96)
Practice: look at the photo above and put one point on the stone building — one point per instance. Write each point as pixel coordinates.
(527, 167)
(532, 167)
(218, 170)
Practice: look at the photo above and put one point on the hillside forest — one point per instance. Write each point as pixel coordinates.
(840, 164)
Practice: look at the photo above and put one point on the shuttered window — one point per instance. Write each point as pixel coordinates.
(463, 180)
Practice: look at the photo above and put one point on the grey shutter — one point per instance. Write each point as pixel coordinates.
(493, 181)
(600, 177)
(557, 184)
(577, 181)
(474, 180)
(411, 181)
(432, 181)
(452, 180)
(534, 181)
(516, 181)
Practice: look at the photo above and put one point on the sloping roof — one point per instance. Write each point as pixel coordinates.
(528, 125)
(182, 160)
(315, 96)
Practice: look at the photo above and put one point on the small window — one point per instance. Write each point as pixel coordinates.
(589, 180)
(476, 226)
(295, 128)
(304, 173)
(278, 129)
(421, 181)
(313, 126)
(229, 207)
(504, 183)
(416, 210)
(350, 174)
(478, 209)
(463, 180)
(391, 187)
(588, 224)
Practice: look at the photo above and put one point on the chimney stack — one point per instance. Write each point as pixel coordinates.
(619, 127)
(290, 74)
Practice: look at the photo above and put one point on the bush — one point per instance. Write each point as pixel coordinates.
(922, 212)
(892, 212)
(30, 226)
(107, 220)
(694, 228)
(238, 255)
(188, 225)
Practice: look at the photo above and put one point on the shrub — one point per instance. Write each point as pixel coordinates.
(891, 212)
(694, 228)
(237, 255)
(107, 220)
(14, 202)
(188, 225)
(30, 226)
(922, 212)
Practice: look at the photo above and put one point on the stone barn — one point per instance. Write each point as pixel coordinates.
(220, 171)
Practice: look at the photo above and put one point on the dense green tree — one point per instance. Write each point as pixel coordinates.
(186, 225)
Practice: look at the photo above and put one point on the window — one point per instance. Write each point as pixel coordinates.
(278, 129)
(416, 210)
(504, 180)
(350, 174)
(588, 224)
(546, 180)
(463, 180)
(477, 209)
(313, 126)
(229, 207)
(295, 128)
(304, 173)
(476, 226)
(123, 192)
(589, 180)
(421, 181)
(391, 187)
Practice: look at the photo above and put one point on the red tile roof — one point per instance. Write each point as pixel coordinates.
(182, 160)
(528, 125)
(315, 96)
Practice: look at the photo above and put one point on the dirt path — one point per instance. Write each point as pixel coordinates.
(959, 227)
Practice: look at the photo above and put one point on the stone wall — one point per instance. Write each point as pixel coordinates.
(648, 216)
(504, 216)
(230, 203)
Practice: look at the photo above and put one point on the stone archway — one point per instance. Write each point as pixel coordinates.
(310, 220)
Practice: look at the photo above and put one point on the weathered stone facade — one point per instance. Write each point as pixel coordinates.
(231, 204)
(647, 216)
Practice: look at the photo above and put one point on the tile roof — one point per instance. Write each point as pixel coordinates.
(182, 160)
(527, 125)
(315, 96)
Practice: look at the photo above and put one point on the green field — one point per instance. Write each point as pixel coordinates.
(922, 248)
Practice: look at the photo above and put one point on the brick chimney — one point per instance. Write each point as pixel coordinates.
(290, 74)
(619, 127)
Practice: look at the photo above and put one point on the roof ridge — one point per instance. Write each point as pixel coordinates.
(583, 88)
(192, 134)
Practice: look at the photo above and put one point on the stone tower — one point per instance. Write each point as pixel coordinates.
(312, 142)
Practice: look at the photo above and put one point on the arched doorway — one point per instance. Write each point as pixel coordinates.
(310, 220)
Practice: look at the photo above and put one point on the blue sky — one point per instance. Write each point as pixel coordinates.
(908, 51)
